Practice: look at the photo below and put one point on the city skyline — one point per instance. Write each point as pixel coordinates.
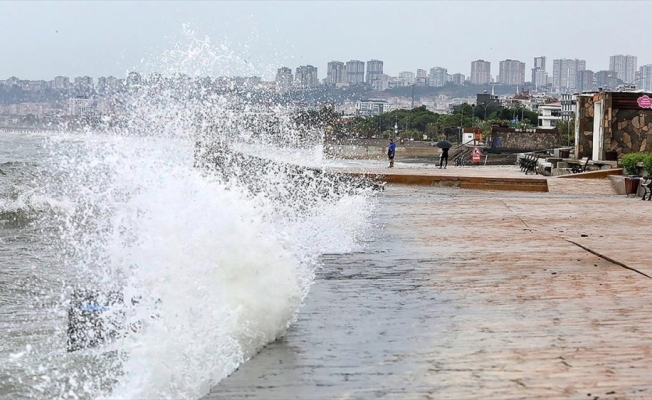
(567, 74)
(110, 39)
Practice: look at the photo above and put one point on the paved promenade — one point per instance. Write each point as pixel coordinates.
(475, 295)
(493, 171)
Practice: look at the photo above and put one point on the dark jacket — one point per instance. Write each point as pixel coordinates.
(391, 150)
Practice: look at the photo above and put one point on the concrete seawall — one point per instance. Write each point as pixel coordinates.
(485, 178)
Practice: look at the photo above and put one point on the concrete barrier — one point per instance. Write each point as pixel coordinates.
(463, 182)
(600, 174)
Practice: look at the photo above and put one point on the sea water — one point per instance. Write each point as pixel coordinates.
(218, 271)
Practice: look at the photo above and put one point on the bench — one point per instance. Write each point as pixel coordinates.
(528, 163)
(522, 162)
(603, 164)
(576, 168)
(647, 186)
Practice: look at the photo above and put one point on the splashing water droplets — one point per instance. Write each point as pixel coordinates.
(209, 270)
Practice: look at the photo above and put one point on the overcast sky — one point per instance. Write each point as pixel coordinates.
(43, 39)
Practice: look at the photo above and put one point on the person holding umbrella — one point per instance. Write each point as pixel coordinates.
(444, 145)
(391, 150)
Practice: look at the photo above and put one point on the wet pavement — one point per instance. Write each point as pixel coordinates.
(474, 295)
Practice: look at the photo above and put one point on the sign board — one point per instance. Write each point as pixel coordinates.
(477, 134)
(644, 102)
(476, 155)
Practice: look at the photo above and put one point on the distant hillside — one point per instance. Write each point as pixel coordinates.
(448, 90)
(322, 94)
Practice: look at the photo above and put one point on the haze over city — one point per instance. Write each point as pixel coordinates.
(111, 38)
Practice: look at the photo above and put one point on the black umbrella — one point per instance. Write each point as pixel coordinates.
(444, 144)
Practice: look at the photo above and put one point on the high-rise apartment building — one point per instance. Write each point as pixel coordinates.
(511, 72)
(480, 72)
(284, 78)
(83, 85)
(645, 77)
(101, 85)
(421, 78)
(458, 79)
(306, 76)
(437, 77)
(564, 73)
(407, 76)
(606, 79)
(355, 72)
(539, 74)
(584, 81)
(625, 67)
(61, 82)
(374, 71)
(335, 73)
(381, 83)
(539, 77)
(112, 83)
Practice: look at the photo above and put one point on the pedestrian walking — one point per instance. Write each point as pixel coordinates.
(443, 158)
(444, 145)
(391, 151)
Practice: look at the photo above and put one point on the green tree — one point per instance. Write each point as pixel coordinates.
(567, 131)
(432, 131)
(412, 134)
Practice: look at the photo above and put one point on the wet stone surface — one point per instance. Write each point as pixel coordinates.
(470, 295)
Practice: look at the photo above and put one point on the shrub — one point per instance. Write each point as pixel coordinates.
(647, 164)
(629, 162)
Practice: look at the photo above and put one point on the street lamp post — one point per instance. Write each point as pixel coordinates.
(568, 134)
(461, 121)
(485, 108)
(413, 85)
(396, 129)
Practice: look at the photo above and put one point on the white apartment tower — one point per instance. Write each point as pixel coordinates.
(407, 76)
(61, 82)
(438, 77)
(625, 67)
(564, 73)
(539, 78)
(539, 74)
(374, 71)
(306, 76)
(284, 78)
(335, 73)
(355, 72)
(512, 72)
(458, 79)
(645, 76)
(480, 72)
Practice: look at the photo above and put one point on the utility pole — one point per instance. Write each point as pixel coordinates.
(413, 95)
(461, 121)
(396, 129)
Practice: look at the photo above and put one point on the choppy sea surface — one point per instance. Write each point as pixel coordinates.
(223, 271)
